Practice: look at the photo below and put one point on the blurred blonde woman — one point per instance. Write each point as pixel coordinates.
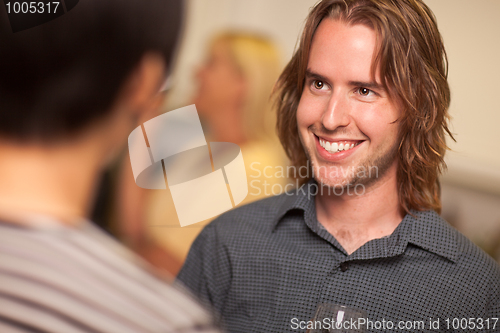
(234, 85)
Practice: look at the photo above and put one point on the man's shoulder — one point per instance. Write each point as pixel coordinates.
(260, 211)
(77, 264)
(475, 259)
(468, 255)
(475, 269)
(260, 215)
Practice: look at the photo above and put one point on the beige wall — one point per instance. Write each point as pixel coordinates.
(471, 33)
(470, 29)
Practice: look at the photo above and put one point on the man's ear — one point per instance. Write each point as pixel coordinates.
(141, 91)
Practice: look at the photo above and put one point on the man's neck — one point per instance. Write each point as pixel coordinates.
(356, 219)
(55, 181)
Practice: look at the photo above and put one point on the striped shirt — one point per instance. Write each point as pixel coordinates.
(61, 279)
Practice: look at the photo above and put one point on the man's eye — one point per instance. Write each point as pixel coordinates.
(317, 84)
(364, 91)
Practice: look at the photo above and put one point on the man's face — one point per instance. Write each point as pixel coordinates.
(346, 120)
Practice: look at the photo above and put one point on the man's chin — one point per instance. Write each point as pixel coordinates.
(339, 188)
(333, 183)
(332, 176)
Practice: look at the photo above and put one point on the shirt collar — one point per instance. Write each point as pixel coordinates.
(301, 198)
(426, 229)
(432, 233)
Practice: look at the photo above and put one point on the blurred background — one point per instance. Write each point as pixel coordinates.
(471, 186)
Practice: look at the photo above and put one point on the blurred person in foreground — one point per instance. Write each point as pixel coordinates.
(71, 90)
(363, 104)
(233, 101)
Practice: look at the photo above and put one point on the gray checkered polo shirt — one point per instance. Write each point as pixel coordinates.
(268, 265)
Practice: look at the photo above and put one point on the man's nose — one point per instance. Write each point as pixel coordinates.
(337, 113)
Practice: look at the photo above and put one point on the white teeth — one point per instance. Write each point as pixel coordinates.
(333, 147)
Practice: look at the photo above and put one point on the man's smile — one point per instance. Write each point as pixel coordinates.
(335, 145)
(335, 150)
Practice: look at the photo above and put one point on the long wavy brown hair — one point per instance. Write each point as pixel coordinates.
(414, 69)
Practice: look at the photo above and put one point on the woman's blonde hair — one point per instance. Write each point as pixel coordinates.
(258, 59)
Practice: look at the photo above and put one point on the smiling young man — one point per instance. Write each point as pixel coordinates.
(364, 102)
(347, 120)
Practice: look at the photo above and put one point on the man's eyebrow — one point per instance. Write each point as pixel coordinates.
(369, 85)
(311, 74)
